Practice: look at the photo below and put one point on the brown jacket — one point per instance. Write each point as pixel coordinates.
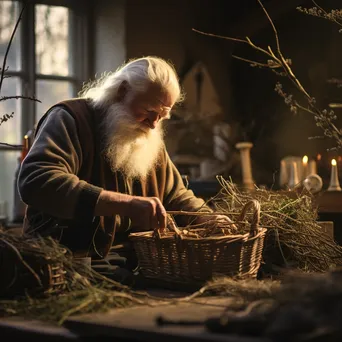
(64, 172)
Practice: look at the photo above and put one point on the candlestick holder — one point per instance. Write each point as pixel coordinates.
(334, 182)
(247, 179)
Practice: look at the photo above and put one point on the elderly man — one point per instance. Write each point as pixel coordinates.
(98, 168)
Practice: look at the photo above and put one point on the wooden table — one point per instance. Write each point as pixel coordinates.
(130, 324)
(139, 323)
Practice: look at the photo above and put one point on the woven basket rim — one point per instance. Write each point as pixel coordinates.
(171, 236)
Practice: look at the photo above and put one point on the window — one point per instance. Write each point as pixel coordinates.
(51, 36)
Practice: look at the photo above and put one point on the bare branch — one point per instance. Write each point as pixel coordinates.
(17, 97)
(334, 15)
(324, 118)
(5, 118)
(9, 46)
(272, 24)
(257, 47)
(10, 145)
(321, 8)
(253, 63)
(222, 37)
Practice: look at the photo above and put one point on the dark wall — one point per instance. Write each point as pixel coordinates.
(315, 48)
(246, 94)
(164, 28)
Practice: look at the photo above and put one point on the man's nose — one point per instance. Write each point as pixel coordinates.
(153, 120)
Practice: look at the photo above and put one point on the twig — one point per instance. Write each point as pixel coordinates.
(17, 97)
(263, 65)
(199, 213)
(10, 145)
(222, 37)
(9, 46)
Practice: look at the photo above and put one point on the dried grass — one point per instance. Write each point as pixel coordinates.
(85, 290)
(294, 237)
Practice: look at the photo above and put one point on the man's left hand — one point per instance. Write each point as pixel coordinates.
(216, 220)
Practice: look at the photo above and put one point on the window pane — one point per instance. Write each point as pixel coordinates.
(10, 131)
(9, 161)
(50, 92)
(52, 44)
(9, 13)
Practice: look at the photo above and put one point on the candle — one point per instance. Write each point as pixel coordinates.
(304, 167)
(334, 182)
(284, 176)
(312, 168)
(294, 179)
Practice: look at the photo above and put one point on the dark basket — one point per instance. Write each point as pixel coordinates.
(29, 274)
(171, 257)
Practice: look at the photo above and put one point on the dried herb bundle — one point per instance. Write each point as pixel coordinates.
(85, 290)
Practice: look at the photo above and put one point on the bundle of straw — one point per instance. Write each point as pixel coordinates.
(294, 235)
(85, 291)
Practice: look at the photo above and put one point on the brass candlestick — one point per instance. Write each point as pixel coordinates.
(247, 179)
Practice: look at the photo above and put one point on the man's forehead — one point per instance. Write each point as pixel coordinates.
(156, 97)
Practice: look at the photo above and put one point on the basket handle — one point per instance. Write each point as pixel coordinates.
(256, 216)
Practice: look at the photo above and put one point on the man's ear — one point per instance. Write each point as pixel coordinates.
(122, 91)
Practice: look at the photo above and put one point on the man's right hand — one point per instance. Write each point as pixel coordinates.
(147, 213)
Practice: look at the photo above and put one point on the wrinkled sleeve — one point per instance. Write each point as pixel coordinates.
(177, 196)
(48, 178)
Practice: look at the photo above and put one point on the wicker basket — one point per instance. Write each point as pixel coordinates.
(33, 275)
(177, 258)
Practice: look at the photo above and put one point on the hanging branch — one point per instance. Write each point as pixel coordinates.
(276, 60)
(6, 116)
(4, 68)
(17, 97)
(9, 46)
(334, 15)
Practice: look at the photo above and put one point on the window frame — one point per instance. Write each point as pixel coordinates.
(80, 32)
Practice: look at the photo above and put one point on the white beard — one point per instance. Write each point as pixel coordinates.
(130, 146)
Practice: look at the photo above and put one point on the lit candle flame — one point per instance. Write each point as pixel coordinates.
(333, 162)
(305, 159)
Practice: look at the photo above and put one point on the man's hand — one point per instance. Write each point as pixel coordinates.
(216, 221)
(147, 213)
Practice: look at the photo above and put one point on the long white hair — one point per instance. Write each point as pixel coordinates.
(138, 73)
